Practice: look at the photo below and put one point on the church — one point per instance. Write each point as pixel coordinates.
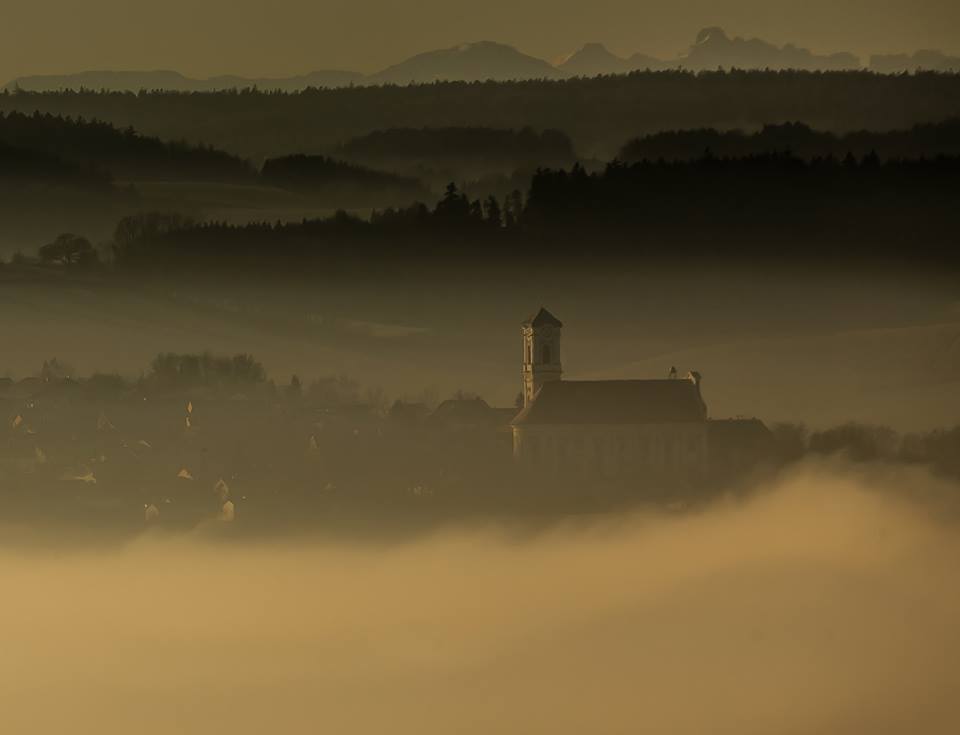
(608, 429)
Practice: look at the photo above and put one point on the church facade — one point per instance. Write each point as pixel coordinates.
(607, 429)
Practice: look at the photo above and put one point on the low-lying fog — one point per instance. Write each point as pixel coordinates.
(827, 603)
(781, 345)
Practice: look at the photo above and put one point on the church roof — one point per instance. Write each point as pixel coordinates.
(614, 402)
(543, 318)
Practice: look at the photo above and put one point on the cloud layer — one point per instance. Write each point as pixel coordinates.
(826, 604)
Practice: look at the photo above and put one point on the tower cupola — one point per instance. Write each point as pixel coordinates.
(541, 352)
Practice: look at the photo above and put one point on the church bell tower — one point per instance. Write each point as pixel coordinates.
(541, 353)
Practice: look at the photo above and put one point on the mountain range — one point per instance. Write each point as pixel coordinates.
(487, 60)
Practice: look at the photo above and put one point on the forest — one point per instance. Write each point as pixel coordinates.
(799, 139)
(598, 114)
(125, 153)
(768, 207)
(784, 187)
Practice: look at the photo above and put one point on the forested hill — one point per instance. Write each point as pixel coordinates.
(126, 154)
(23, 166)
(599, 114)
(771, 207)
(923, 140)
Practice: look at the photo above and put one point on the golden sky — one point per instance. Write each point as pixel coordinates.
(282, 37)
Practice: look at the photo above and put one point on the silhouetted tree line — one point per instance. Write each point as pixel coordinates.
(58, 150)
(348, 183)
(176, 371)
(938, 448)
(928, 139)
(597, 113)
(126, 154)
(453, 228)
(19, 165)
(767, 206)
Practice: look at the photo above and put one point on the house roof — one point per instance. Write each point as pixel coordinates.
(614, 402)
(543, 318)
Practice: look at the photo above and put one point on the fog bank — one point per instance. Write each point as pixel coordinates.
(826, 604)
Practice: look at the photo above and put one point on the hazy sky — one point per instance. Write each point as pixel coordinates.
(253, 37)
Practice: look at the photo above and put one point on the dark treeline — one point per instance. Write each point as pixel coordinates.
(124, 153)
(772, 206)
(939, 448)
(929, 139)
(76, 154)
(599, 113)
(348, 184)
(454, 228)
(23, 165)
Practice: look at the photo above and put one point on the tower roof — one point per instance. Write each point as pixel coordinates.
(543, 318)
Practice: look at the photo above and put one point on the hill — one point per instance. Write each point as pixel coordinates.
(124, 153)
(801, 140)
(19, 165)
(121, 81)
(598, 114)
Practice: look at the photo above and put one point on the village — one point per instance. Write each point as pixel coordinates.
(205, 438)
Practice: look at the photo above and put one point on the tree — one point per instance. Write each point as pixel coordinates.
(492, 213)
(454, 207)
(69, 250)
(55, 369)
(136, 232)
(513, 208)
(295, 389)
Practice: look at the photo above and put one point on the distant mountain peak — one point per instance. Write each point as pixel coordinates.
(474, 61)
(713, 48)
(593, 59)
(713, 34)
